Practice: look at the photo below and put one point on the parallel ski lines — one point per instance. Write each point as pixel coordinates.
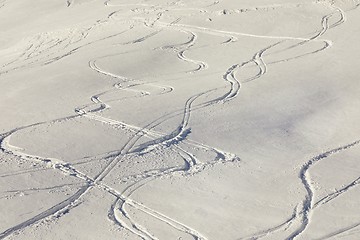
(308, 205)
(337, 193)
(308, 202)
(57, 209)
(118, 210)
(340, 232)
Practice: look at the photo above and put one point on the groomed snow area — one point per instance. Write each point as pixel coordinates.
(179, 119)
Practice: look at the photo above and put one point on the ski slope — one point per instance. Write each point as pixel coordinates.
(157, 119)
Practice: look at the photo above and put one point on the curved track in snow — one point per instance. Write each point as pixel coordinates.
(118, 211)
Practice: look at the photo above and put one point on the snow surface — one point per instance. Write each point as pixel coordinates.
(159, 119)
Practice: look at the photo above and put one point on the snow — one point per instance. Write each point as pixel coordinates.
(157, 119)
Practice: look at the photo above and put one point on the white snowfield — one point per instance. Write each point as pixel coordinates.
(179, 119)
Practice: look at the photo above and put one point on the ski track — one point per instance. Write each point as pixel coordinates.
(181, 54)
(117, 212)
(340, 232)
(142, 39)
(45, 42)
(106, 171)
(230, 74)
(69, 3)
(32, 55)
(337, 193)
(157, 173)
(287, 224)
(73, 172)
(305, 177)
(2, 3)
(58, 209)
(41, 189)
(308, 205)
